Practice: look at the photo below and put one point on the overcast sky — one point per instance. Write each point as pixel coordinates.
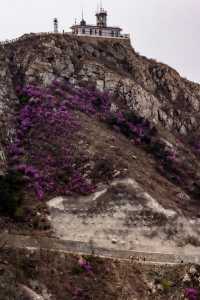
(167, 30)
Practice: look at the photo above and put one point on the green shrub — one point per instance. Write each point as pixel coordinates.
(166, 285)
(11, 195)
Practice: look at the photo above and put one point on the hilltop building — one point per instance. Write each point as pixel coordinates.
(101, 29)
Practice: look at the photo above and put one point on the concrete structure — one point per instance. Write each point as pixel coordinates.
(100, 29)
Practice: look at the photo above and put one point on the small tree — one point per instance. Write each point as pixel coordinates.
(10, 192)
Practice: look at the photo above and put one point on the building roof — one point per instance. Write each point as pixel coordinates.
(102, 12)
(96, 27)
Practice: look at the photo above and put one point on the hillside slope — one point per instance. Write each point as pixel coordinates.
(135, 148)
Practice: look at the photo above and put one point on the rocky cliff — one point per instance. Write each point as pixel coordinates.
(151, 191)
(153, 89)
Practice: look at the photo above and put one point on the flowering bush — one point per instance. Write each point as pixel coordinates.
(85, 265)
(43, 149)
(191, 293)
(197, 147)
(136, 128)
(98, 104)
(169, 163)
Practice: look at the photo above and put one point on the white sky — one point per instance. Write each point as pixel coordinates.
(167, 30)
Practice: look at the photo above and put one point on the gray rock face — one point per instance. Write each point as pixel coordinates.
(152, 89)
(7, 102)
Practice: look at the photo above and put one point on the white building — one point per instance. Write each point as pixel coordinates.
(100, 29)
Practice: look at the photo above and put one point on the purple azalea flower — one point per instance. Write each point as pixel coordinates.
(191, 293)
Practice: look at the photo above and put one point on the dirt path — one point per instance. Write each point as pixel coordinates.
(52, 244)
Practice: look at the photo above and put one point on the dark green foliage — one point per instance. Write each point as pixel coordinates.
(77, 270)
(10, 193)
(158, 150)
(23, 99)
(103, 168)
(196, 190)
(132, 126)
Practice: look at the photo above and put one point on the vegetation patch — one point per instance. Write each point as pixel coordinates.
(45, 148)
(11, 195)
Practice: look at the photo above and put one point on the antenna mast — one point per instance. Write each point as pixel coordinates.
(97, 7)
(101, 5)
(55, 24)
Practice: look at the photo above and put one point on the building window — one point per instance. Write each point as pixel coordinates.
(112, 33)
(90, 31)
(100, 32)
(95, 32)
(83, 30)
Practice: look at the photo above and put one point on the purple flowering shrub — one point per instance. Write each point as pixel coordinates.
(88, 100)
(170, 166)
(193, 140)
(192, 294)
(98, 104)
(197, 147)
(136, 128)
(174, 166)
(44, 150)
(80, 294)
(85, 265)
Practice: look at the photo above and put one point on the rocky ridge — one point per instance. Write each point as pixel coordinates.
(154, 90)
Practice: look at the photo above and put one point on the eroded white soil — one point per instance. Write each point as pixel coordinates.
(123, 216)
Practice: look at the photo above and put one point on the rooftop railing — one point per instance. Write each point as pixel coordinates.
(121, 36)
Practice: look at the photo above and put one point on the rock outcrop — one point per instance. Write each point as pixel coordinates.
(154, 90)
